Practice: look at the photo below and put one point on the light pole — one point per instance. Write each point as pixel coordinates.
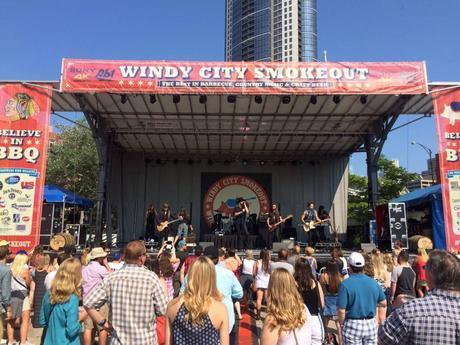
(430, 153)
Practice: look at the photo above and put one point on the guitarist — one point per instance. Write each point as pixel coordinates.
(165, 216)
(308, 216)
(273, 218)
(241, 212)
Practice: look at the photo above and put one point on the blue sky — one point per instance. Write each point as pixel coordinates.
(36, 35)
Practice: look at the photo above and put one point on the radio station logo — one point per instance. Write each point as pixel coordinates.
(21, 107)
(221, 197)
(4, 213)
(6, 220)
(12, 179)
(12, 196)
(25, 219)
(2, 203)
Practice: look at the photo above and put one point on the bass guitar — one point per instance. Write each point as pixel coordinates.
(312, 224)
(163, 225)
(274, 226)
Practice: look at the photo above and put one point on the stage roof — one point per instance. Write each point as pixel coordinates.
(244, 129)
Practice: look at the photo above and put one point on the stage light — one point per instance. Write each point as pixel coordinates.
(153, 99)
(258, 99)
(231, 98)
(286, 99)
(123, 99)
(203, 99)
(176, 99)
(363, 99)
(313, 100)
(336, 99)
(244, 162)
(262, 162)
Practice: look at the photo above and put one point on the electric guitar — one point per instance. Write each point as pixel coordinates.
(163, 225)
(312, 224)
(274, 226)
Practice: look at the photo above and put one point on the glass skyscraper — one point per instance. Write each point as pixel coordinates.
(270, 30)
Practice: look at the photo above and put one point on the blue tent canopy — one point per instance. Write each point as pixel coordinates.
(432, 196)
(57, 194)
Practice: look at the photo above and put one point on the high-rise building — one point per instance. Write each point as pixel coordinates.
(270, 30)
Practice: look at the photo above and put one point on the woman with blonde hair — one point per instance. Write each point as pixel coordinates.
(288, 320)
(380, 270)
(20, 302)
(198, 316)
(59, 314)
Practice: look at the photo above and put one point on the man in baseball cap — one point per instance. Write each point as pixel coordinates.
(359, 298)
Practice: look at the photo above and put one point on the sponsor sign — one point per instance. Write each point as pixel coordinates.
(447, 110)
(183, 77)
(24, 131)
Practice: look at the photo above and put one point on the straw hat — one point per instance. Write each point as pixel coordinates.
(97, 252)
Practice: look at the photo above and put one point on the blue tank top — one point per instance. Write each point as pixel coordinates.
(186, 333)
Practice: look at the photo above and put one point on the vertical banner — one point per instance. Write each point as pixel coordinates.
(447, 110)
(398, 224)
(24, 131)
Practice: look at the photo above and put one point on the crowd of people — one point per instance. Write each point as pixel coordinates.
(177, 297)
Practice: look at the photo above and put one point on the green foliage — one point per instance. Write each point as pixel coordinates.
(393, 180)
(392, 183)
(73, 161)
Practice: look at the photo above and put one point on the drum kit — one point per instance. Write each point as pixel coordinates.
(224, 225)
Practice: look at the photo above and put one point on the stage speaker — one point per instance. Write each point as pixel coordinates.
(205, 245)
(367, 247)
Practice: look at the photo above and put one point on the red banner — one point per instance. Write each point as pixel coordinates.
(175, 77)
(24, 131)
(447, 110)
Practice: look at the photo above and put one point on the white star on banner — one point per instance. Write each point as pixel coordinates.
(149, 83)
(130, 83)
(5, 141)
(140, 83)
(37, 142)
(121, 82)
(29, 142)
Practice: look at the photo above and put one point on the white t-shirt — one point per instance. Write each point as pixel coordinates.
(49, 280)
(116, 265)
(248, 266)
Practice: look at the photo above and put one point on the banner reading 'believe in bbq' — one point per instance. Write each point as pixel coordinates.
(174, 77)
(447, 110)
(24, 130)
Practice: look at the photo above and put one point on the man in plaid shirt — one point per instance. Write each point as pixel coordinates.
(135, 298)
(434, 319)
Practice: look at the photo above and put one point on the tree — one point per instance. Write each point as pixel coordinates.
(73, 161)
(392, 182)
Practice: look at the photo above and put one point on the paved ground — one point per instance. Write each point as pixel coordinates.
(245, 330)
